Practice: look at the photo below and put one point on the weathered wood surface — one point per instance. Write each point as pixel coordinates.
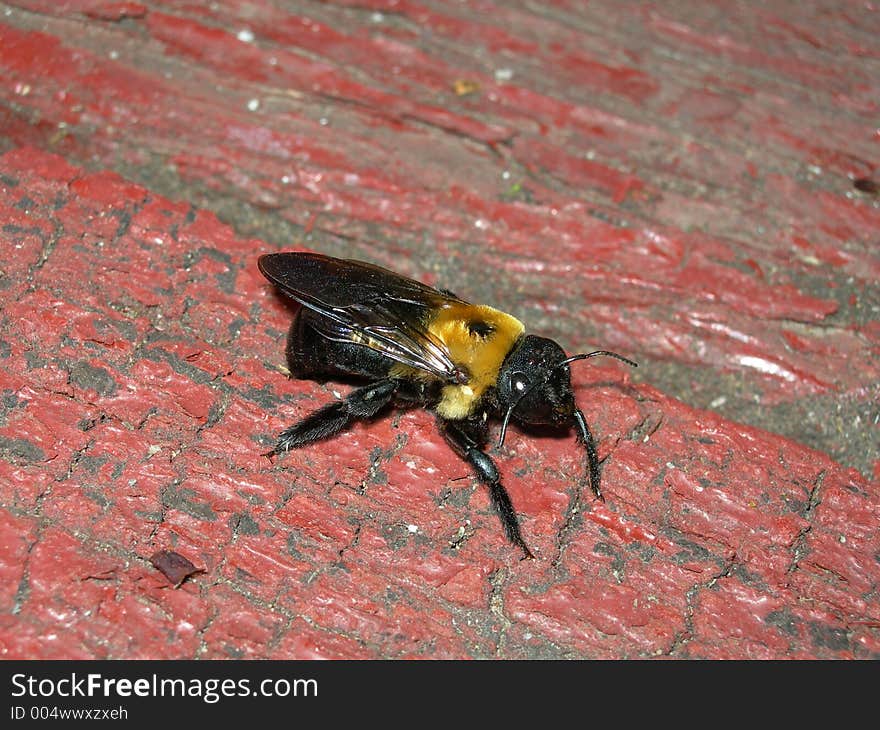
(688, 186)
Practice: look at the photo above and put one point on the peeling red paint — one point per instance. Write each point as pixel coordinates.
(622, 194)
(283, 537)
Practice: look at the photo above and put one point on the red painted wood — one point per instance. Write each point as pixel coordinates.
(671, 182)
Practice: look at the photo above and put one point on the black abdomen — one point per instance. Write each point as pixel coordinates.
(311, 355)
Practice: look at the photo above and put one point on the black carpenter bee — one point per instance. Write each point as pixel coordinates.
(418, 346)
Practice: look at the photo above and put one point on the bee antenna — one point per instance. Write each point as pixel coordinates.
(584, 356)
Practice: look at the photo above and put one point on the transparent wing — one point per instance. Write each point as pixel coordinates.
(366, 305)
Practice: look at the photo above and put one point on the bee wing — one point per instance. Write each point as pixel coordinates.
(366, 305)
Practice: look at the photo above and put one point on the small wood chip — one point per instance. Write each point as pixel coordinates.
(174, 566)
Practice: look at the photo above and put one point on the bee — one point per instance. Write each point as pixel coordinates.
(417, 346)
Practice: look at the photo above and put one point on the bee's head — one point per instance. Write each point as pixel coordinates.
(534, 384)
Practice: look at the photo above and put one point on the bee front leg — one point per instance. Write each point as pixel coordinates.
(586, 438)
(361, 404)
(466, 439)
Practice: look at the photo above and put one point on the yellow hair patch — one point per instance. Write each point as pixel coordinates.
(478, 339)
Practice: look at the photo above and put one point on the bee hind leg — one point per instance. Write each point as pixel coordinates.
(466, 438)
(360, 404)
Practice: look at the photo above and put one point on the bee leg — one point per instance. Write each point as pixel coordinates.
(586, 438)
(466, 438)
(360, 404)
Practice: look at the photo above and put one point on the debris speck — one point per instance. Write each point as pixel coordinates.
(464, 87)
(866, 185)
(173, 566)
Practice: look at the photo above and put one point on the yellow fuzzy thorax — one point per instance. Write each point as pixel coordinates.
(475, 351)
